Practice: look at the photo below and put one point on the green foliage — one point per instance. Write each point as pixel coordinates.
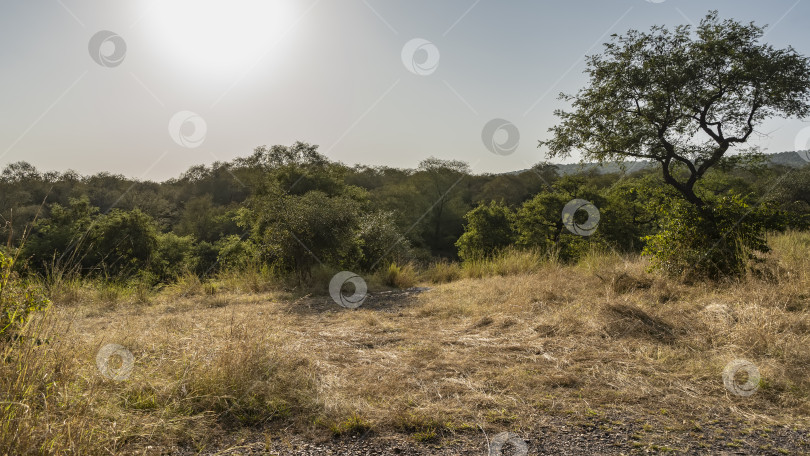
(489, 229)
(235, 253)
(694, 245)
(439, 184)
(791, 194)
(116, 245)
(174, 255)
(58, 239)
(540, 224)
(626, 218)
(294, 232)
(121, 243)
(18, 300)
(678, 98)
(380, 240)
(285, 208)
(685, 100)
(204, 220)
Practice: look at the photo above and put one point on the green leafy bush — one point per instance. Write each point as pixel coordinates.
(489, 229)
(718, 242)
(173, 255)
(17, 299)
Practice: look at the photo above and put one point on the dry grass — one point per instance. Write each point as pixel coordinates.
(507, 350)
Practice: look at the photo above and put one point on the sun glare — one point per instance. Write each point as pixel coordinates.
(217, 36)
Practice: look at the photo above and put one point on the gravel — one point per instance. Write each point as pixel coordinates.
(719, 437)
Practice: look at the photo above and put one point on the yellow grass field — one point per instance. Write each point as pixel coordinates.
(601, 346)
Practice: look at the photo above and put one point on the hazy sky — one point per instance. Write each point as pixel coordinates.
(336, 73)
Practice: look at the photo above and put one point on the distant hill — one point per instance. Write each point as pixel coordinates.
(792, 159)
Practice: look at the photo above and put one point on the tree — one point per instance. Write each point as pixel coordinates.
(439, 183)
(294, 232)
(381, 241)
(685, 101)
(681, 100)
(489, 229)
(540, 225)
(121, 243)
(57, 241)
(173, 256)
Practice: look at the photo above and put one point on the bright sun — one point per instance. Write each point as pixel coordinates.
(220, 37)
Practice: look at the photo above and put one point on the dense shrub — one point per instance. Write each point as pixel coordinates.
(719, 243)
(18, 300)
(174, 255)
(490, 228)
(380, 241)
(121, 243)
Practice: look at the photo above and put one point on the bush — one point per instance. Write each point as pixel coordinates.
(489, 229)
(295, 232)
(173, 256)
(17, 300)
(718, 242)
(381, 241)
(234, 253)
(400, 276)
(540, 224)
(58, 242)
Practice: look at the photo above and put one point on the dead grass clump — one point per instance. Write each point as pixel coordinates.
(483, 321)
(719, 312)
(622, 320)
(248, 383)
(401, 277)
(663, 292)
(563, 380)
(509, 262)
(67, 291)
(248, 279)
(216, 302)
(622, 282)
(43, 404)
(187, 284)
(442, 272)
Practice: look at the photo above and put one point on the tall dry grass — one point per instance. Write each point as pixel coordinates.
(496, 345)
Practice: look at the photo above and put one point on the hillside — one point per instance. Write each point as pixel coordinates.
(790, 158)
(598, 357)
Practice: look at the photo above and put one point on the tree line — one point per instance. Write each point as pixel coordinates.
(289, 208)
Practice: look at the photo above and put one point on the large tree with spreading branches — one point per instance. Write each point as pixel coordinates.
(681, 98)
(687, 99)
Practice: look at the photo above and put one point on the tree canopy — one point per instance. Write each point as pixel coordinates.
(681, 99)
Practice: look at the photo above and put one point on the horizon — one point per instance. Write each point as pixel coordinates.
(345, 75)
(357, 165)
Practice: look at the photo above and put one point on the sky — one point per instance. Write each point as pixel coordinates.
(148, 89)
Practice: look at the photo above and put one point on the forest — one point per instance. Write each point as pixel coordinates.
(287, 209)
